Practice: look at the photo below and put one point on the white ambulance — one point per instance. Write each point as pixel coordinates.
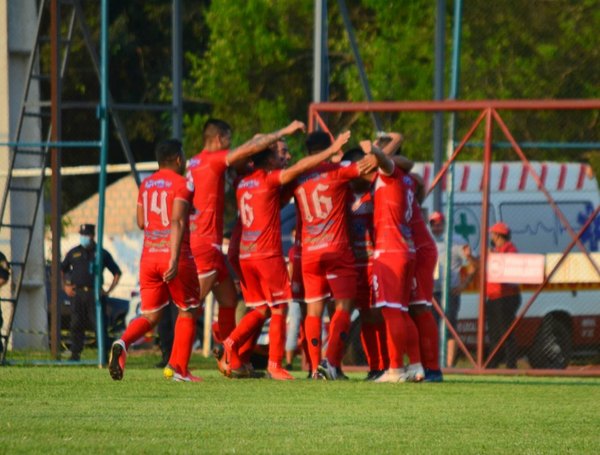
(564, 320)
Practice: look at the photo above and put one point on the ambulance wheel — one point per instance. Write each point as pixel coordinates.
(553, 346)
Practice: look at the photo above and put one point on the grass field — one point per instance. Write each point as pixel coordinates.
(80, 409)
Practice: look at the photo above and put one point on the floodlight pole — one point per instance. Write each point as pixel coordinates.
(448, 233)
(320, 67)
(55, 163)
(103, 115)
(438, 95)
(177, 70)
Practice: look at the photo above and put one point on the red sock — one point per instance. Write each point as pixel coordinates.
(304, 344)
(226, 320)
(428, 339)
(276, 340)
(339, 330)
(242, 332)
(396, 335)
(245, 351)
(313, 337)
(384, 356)
(185, 333)
(368, 337)
(412, 340)
(135, 330)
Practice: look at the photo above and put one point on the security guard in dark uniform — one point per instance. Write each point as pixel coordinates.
(78, 282)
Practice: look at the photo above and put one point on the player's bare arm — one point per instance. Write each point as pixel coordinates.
(140, 216)
(385, 164)
(178, 219)
(261, 141)
(390, 144)
(420, 186)
(309, 162)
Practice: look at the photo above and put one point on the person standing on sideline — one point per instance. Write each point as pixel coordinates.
(167, 270)
(460, 256)
(502, 302)
(78, 282)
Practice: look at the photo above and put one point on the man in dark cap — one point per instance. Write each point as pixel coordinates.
(78, 282)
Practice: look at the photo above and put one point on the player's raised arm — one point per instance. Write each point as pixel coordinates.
(390, 144)
(261, 141)
(309, 162)
(385, 164)
(178, 219)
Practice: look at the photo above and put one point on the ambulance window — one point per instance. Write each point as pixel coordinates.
(537, 229)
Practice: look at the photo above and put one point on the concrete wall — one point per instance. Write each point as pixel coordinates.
(18, 24)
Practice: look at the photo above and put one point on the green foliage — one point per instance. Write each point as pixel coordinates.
(79, 409)
(250, 62)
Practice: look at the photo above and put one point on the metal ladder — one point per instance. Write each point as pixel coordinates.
(34, 158)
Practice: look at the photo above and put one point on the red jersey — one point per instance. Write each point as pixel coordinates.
(361, 227)
(499, 290)
(156, 196)
(259, 199)
(393, 212)
(421, 234)
(321, 196)
(206, 171)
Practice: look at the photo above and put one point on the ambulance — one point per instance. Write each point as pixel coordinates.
(564, 321)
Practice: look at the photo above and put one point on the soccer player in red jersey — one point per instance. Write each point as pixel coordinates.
(233, 253)
(266, 283)
(360, 206)
(422, 292)
(393, 260)
(167, 269)
(327, 259)
(206, 171)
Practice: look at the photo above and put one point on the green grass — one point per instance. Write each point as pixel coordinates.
(80, 409)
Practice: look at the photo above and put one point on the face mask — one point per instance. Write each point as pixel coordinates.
(85, 241)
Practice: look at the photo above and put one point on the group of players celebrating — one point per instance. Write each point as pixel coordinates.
(361, 242)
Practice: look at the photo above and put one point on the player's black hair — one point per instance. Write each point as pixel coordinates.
(215, 127)
(354, 154)
(168, 150)
(318, 141)
(260, 158)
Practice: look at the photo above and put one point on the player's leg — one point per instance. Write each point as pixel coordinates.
(388, 271)
(313, 327)
(245, 330)
(294, 319)
(213, 275)
(154, 299)
(342, 276)
(368, 338)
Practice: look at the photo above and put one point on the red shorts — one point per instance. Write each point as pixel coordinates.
(392, 279)
(329, 275)
(183, 290)
(422, 289)
(265, 281)
(209, 260)
(364, 287)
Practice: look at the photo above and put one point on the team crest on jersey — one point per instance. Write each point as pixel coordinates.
(407, 180)
(194, 162)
